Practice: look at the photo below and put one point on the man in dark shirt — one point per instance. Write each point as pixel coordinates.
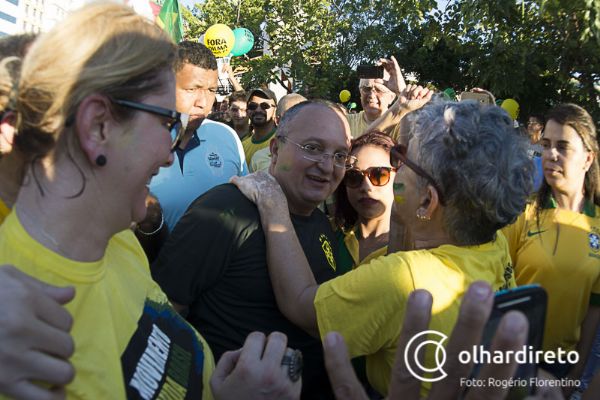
(214, 263)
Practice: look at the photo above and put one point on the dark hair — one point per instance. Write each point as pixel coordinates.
(196, 54)
(345, 215)
(539, 117)
(16, 45)
(240, 95)
(580, 120)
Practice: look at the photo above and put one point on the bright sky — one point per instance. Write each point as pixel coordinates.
(189, 3)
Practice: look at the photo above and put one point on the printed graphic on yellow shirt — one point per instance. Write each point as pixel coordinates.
(509, 273)
(159, 361)
(327, 250)
(594, 239)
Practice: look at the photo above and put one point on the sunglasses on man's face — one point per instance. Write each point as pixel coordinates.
(254, 106)
(378, 176)
(398, 159)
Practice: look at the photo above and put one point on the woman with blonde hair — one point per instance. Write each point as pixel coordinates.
(95, 123)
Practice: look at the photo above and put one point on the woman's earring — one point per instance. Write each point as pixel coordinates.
(101, 160)
(422, 215)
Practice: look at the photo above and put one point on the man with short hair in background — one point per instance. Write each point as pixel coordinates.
(210, 152)
(239, 120)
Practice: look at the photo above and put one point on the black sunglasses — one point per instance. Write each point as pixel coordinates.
(253, 106)
(378, 176)
(176, 124)
(398, 158)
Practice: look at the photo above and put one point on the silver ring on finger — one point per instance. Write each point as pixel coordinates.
(294, 362)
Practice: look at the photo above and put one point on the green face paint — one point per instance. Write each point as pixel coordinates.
(284, 167)
(399, 187)
(399, 199)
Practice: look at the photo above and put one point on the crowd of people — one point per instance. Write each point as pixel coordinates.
(157, 244)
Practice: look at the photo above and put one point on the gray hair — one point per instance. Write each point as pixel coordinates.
(481, 164)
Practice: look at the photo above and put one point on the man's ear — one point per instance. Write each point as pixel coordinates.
(274, 147)
(92, 123)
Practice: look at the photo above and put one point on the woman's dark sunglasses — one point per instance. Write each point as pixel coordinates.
(378, 176)
(253, 106)
(398, 158)
(177, 122)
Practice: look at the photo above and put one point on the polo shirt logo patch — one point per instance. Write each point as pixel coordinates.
(594, 241)
(214, 160)
(327, 250)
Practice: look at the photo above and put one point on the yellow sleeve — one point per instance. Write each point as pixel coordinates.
(366, 306)
(514, 233)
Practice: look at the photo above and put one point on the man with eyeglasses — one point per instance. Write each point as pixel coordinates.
(209, 152)
(214, 264)
(260, 107)
(376, 96)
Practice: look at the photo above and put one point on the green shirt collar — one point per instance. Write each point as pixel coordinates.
(269, 136)
(589, 208)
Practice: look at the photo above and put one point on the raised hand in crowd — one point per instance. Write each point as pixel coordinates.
(256, 371)
(511, 335)
(232, 79)
(411, 98)
(396, 81)
(35, 343)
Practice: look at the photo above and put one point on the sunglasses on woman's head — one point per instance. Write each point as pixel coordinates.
(254, 106)
(378, 176)
(398, 159)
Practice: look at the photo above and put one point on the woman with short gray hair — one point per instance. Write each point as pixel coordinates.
(464, 175)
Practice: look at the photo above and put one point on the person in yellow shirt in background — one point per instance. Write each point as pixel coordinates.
(260, 108)
(376, 96)
(556, 241)
(465, 175)
(364, 202)
(96, 92)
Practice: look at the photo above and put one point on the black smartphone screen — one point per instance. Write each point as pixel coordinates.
(531, 300)
(370, 71)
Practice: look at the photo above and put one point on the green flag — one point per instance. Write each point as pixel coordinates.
(169, 19)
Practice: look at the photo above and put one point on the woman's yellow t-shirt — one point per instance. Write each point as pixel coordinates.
(129, 342)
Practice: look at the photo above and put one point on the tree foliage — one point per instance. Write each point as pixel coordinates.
(538, 52)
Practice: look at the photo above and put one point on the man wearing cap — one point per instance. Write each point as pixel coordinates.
(210, 152)
(261, 110)
(376, 96)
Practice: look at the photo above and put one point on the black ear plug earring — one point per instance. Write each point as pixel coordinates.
(101, 160)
